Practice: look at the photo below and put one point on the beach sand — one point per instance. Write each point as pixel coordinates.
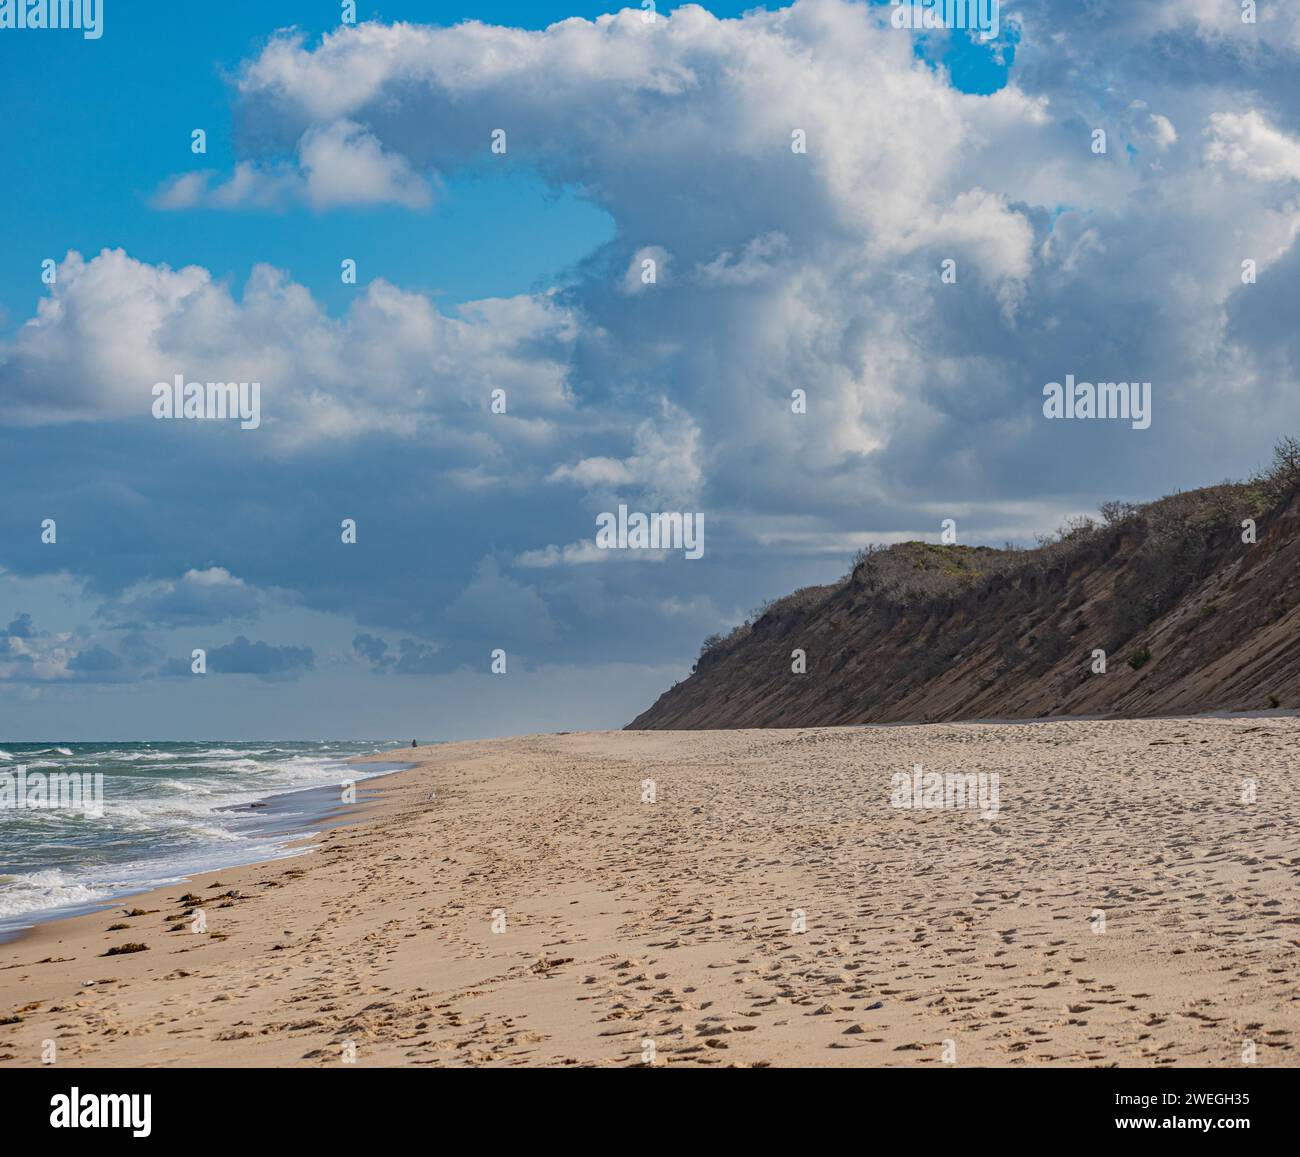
(676, 921)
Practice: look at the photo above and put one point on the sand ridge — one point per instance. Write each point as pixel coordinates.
(769, 907)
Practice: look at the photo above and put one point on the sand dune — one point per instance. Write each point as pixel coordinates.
(926, 937)
(1190, 618)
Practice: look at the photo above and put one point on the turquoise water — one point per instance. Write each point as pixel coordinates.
(169, 810)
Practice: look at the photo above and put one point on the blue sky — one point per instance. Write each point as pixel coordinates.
(84, 155)
(777, 270)
(77, 167)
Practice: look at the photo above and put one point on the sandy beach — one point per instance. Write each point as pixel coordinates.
(534, 901)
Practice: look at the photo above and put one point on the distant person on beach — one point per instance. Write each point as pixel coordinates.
(414, 744)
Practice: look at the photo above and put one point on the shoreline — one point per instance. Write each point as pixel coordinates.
(321, 814)
(623, 921)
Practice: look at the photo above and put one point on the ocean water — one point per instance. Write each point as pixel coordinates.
(169, 810)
